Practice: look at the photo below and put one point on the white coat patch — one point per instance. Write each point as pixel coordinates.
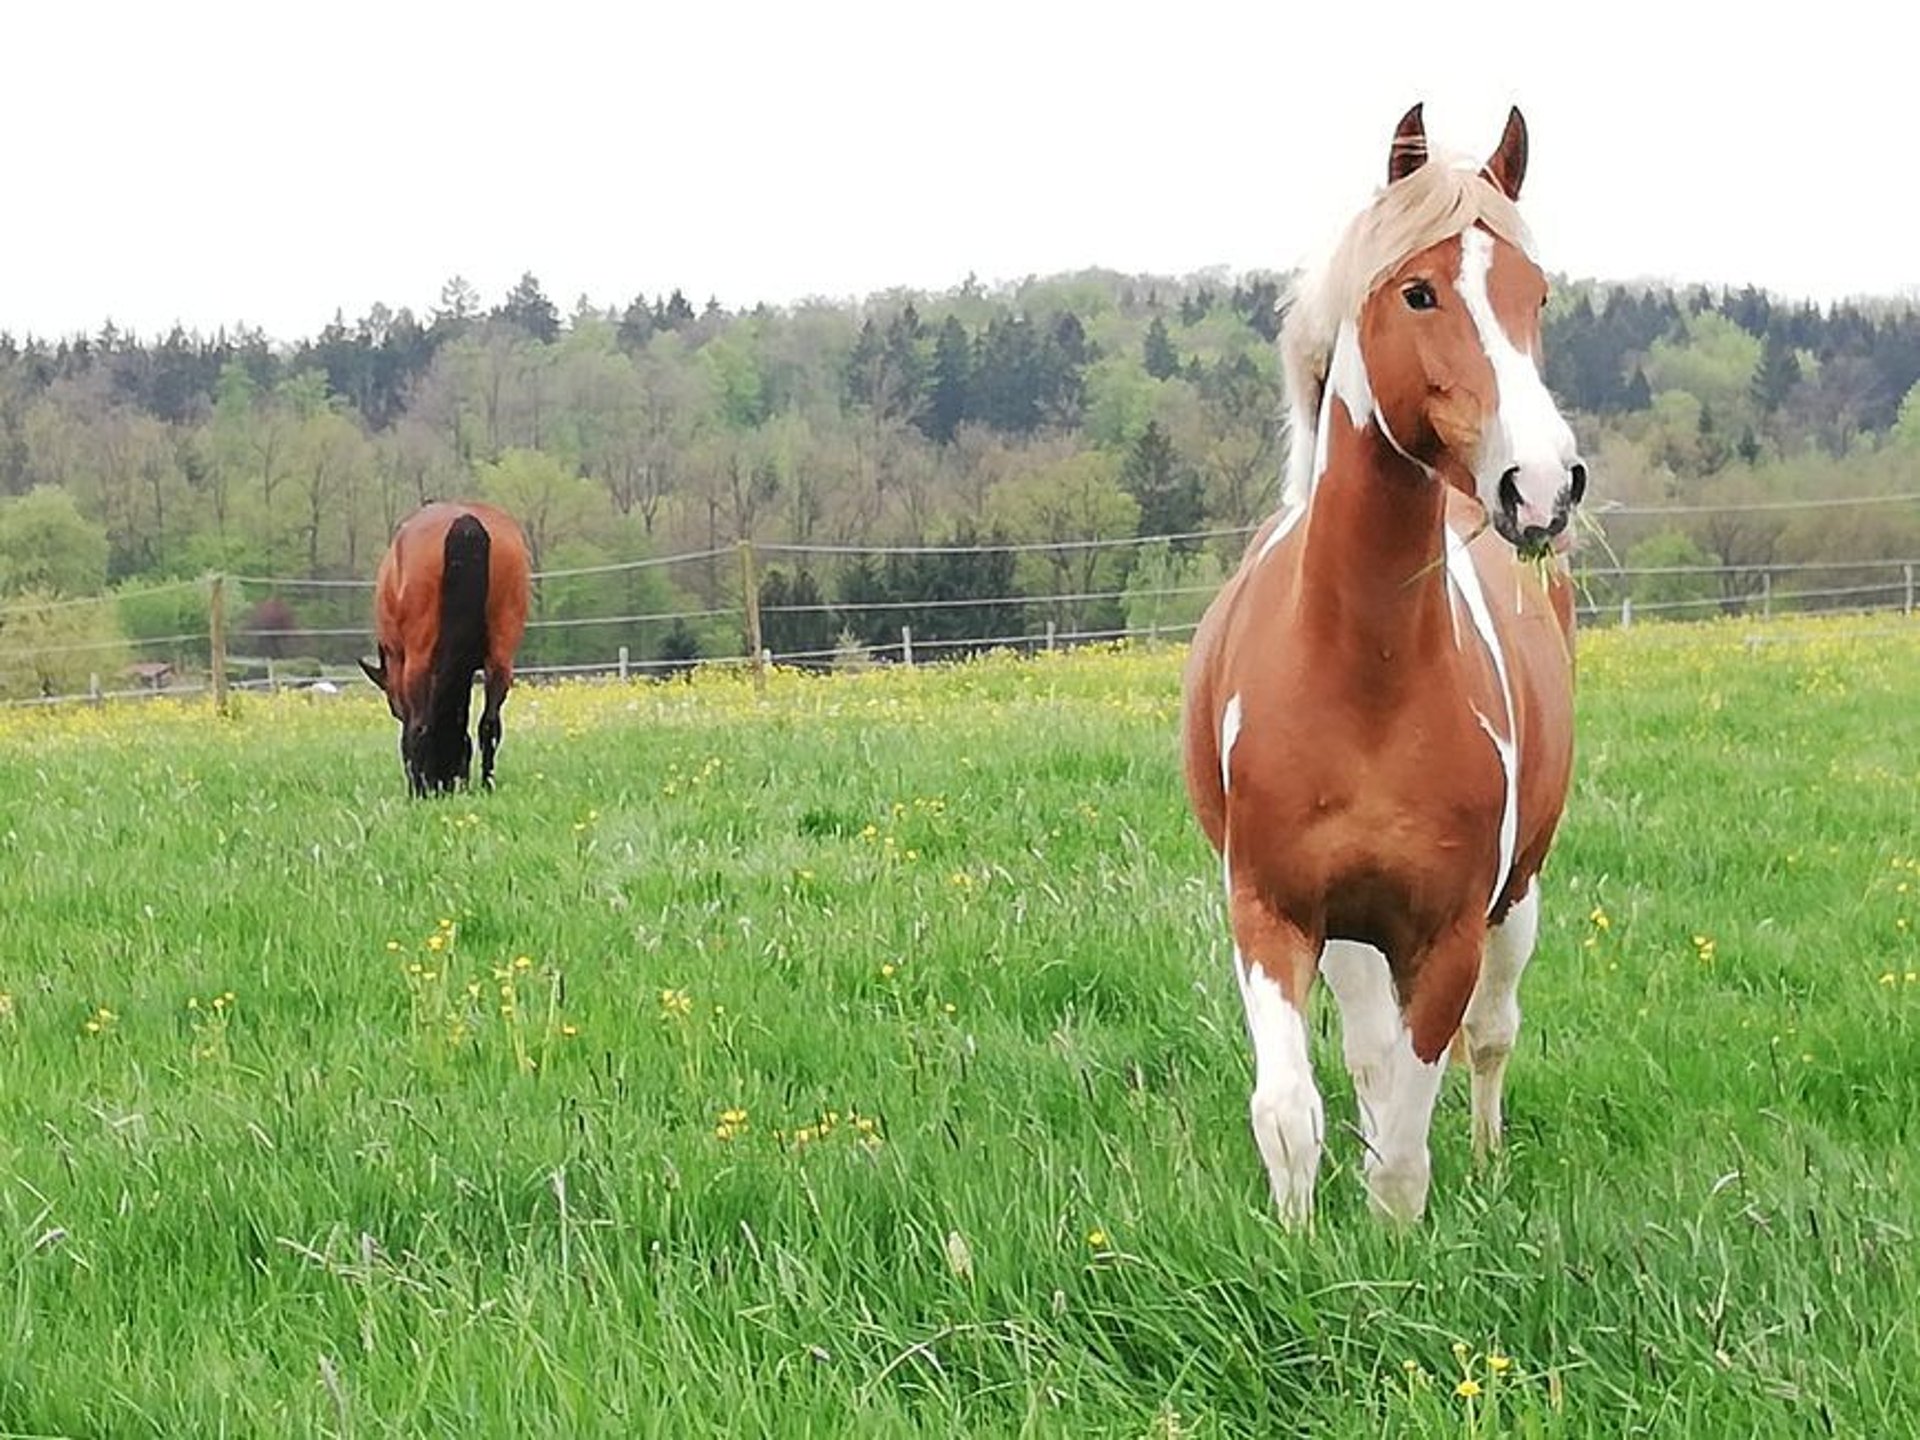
(1466, 583)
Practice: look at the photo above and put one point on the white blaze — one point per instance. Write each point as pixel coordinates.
(1528, 433)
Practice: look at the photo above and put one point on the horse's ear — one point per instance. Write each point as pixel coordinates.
(377, 676)
(1409, 150)
(1508, 167)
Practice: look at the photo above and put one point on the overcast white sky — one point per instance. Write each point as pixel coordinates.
(210, 162)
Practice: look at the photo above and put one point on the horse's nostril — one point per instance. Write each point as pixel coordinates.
(1577, 483)
(1509, 490)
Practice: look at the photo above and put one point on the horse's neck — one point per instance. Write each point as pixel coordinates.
(1373, 563)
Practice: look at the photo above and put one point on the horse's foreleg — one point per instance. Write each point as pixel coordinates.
(1370, 1026)
(1399, 1166)
(1493, 1015)
(1274, 963)
(498, 681)
(1394, 1088)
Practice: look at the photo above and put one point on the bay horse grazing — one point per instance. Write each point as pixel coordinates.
(1379, 706)
(451, 597)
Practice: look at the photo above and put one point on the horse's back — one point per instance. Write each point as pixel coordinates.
(409, 586)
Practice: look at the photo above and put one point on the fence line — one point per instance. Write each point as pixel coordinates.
(1005, 548)
(34, 607)
(1606, 594)
(1749, 507)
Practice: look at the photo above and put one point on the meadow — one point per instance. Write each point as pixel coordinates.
(864, 1059)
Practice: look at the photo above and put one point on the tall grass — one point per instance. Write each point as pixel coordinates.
(864, 1059)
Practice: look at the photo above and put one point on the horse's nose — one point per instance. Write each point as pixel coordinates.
(1525, 522)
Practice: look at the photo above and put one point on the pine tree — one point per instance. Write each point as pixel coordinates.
(1161, 359)
(528, 307)
(948, 395)
(1167, 491)
(1775, 377)
(636, 326)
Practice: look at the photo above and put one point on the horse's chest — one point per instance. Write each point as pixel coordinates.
(1349, 818)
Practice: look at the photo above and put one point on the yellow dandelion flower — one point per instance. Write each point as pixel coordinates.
(1499, 1364)
(522, 962)
(436, 943)
(1467, 1389)
(393, 945)
(1097, 1238)
(888, 970)
(569, 1030)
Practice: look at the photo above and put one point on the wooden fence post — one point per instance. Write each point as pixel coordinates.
(1907, 572)
(906, 645)
(624, 658)
(750, 591)
(217, 640)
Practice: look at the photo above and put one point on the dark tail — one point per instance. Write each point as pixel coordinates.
(463, 602)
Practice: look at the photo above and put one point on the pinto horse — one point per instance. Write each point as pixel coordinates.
(1379, 702)
(451, 597)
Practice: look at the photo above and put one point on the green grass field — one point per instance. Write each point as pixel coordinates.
(865, 1060)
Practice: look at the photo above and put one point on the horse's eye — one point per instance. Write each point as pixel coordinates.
(1419, 296)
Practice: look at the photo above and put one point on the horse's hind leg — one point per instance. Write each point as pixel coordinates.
(498, 680)
(1493, 1014)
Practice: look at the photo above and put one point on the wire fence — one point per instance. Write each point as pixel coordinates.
(666, 615)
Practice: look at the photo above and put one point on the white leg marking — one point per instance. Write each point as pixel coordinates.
(1395, 1088)
(1288, 1119)
(1397, 1183)
(1493, 1014)
(1370, 1025)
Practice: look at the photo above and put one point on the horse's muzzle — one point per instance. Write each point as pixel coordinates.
(1527, 527)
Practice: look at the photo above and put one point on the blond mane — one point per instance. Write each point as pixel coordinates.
(1436, 202)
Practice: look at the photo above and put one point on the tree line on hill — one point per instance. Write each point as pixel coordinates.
(1092, 406)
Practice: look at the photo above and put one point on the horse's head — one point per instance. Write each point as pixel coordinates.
(1444, 348)
(435, 749)
(389, 685)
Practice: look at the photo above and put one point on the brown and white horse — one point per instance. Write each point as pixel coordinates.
(1379, 706)
(450, 598)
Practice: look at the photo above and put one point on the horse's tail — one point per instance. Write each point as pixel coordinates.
(463, 596)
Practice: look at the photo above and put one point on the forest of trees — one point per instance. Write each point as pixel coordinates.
(1087, 406)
